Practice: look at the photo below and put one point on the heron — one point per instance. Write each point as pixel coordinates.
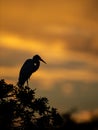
(29, 67)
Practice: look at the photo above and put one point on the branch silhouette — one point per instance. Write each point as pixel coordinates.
(21, 110)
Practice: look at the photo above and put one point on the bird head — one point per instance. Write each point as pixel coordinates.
(37, 57)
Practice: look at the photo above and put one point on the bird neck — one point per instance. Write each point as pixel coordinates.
(36, 64)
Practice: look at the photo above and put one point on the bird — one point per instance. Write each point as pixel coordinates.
(30, 66)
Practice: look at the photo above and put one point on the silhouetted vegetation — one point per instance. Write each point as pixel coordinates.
(21, 110)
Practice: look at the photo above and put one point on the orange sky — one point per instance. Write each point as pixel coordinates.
(65, 34)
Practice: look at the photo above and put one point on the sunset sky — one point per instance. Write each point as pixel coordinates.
(65, 34)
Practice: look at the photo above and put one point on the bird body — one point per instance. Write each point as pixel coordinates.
(29, 67)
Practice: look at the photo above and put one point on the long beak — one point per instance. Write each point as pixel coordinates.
(43, 61)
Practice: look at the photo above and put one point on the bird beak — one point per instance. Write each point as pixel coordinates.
(43, 61)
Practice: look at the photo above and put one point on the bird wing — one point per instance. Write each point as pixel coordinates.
(26, 71)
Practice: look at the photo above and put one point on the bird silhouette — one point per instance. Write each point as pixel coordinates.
(29, 67)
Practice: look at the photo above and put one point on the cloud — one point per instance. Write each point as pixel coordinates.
(83, 116)
(12, 57)
(66, 37)
(68, 94)
(30, 18)
(61, 64)
(66, 23)
(67, 89)
(83, 43)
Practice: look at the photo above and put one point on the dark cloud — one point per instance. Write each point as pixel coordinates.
(12, 57)
(84, 43)
(84, 95)
(73, 65)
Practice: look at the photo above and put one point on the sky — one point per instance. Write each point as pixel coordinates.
(65, 34)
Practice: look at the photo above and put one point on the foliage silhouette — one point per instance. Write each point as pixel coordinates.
(21, 110)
